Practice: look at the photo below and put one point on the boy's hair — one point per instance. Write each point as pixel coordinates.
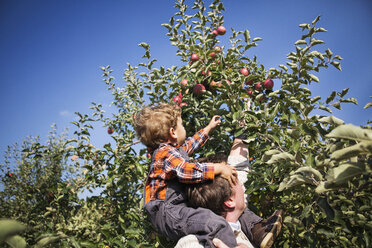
(211, 194)
(153, 123)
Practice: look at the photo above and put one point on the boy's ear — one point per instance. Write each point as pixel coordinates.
(172, 133)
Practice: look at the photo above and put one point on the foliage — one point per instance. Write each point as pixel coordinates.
(305, 161)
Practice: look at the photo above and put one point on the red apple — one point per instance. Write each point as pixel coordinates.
(250, 93)
(244, 71)
(268, 84)
(217, 49)
(198, 89)
(110, 130)
(183, 104)
(194, 57)
(212, 55)
(258, 86)
(183, 83)
(221, 30)
(214, 33)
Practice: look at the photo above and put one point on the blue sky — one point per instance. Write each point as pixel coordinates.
(51, 52)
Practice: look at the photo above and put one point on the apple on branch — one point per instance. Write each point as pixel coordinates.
(268, 84)
(199, 89)
(110, 130)
(221, 30)
(183, 83)
(244, 71)
(194, 57)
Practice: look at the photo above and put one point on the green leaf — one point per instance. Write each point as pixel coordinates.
(314, 78)
(328, 210)
(309, 171)
(344, 173)
(337, 65)
(10, 227)
(368, 105)
(268, 154)
(331, 120)
(247, 37)
(329, 53)
(47, 240)
(325, 109)
(16, 241)
(352, 132)
(294, 180)
(283, 156)
(344, 92)
(316, 42)
(352, 100)
(316, 20)
(304, 25)
(363, 147)
(331, 97)
(337, 105)
(144, 45)
(256, 39)
(301, 42)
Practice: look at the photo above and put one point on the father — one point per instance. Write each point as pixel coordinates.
(229, 202)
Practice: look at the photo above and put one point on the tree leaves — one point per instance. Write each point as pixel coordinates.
(352, 132)
(9, 228)
(343, 173)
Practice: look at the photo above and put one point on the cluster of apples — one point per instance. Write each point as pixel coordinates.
(209, 82)
(258, 87)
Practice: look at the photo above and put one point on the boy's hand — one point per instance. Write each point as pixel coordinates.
(227, 172)
(214, 122)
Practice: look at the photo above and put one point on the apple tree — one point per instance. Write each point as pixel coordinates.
(304, 160)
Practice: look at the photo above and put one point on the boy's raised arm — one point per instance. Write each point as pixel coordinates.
(200, 137)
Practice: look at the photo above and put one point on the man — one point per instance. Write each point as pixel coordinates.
(229, 202)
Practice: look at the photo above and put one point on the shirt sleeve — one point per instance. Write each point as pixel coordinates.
(195, 142)
(187, 172)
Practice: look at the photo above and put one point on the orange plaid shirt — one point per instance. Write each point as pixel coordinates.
(169, 164)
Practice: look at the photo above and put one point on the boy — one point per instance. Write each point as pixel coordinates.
(160, 129)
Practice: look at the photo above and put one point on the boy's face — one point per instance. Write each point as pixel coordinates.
(180, 132)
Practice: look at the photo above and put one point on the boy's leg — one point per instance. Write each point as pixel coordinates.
(206, 226)
(177, 221)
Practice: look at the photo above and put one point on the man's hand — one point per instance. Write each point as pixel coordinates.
(214, 122)
(227, 172)
(219, 244)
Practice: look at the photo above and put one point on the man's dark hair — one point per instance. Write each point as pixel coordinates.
(211, 194)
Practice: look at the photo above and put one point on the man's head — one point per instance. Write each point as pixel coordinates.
(159, 124)
(217, 195)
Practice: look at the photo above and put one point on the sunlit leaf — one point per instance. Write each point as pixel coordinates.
(352, 132)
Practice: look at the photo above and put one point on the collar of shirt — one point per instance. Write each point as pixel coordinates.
(235, 226)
